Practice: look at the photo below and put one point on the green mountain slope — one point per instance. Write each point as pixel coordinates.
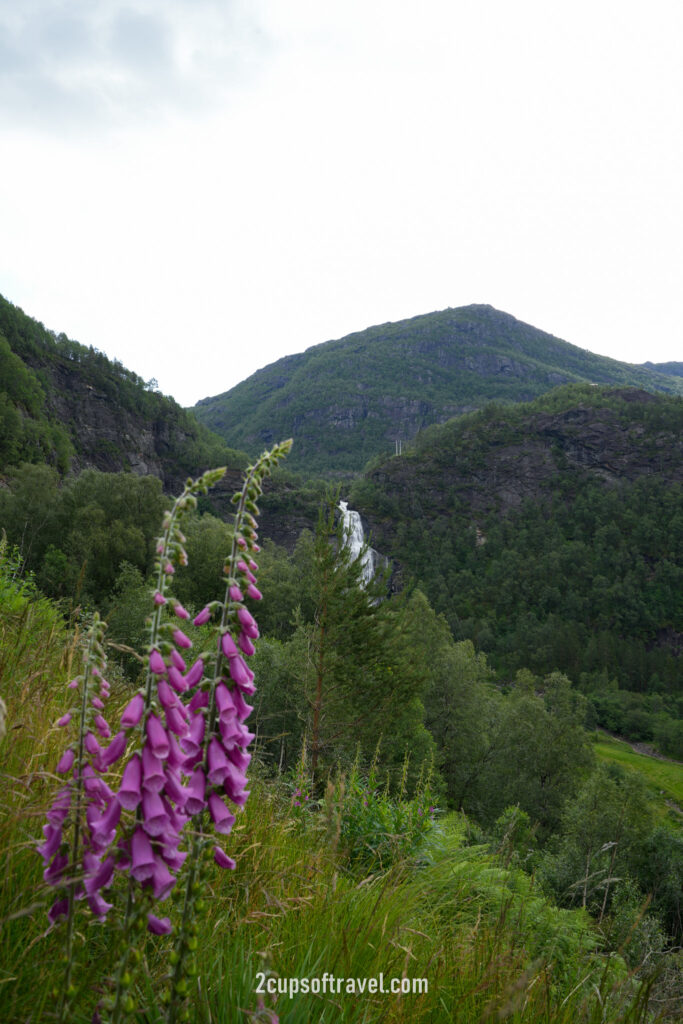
(345, 401)
(551, 534)
(72, 407)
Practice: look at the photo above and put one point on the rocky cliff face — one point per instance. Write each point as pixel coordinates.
(499, 465)
(112, 419)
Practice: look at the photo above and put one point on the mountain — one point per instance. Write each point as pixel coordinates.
(672, 369)
(549, 533)
(346, 401)
(70, 406)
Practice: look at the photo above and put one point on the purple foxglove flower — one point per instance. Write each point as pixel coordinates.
(130, 793)
(241, 798)
(143, 861)
(181, 612)
(60, 908)
(54, 872)
(97, 703)
(99, 905)
(195, 673)
(65, 762)
(181, 640)
(91, 744)
(224, 701)
(159, 925)
(248, 623)
(102, 727)
(239, 671)
(176, 756)
(246, 645)
(73, 685)
(254, 593)
(218, 763)
(241, 543)
(231, 731)
(192, 743)
(196, 789)
(102, 878)
(154, 817)
(64, 720)
(234, 593)
(177, 680)
(229, 646)
(133, 712)
(204, 616)
(177, 722)
(109, 820)
(169, 568)
(174, 858)
(156, 736)
(159, 598)
(233, 781)
(240, 758)
(60, 807)
(177, 821)
(53, 840)
(167, 697)
(162, 881)
(97, 790)
(200, 700)
(252, 565)
(156, 663)
(222, 859)
(244, 569)
(255, 547)
(192, 760)
(152, 771)
(246, 737)
(174, 789)
(222, 818)
(241, 707)
(178, 660)
(113, 752)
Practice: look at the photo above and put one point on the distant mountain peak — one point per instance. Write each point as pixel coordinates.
(350, 399)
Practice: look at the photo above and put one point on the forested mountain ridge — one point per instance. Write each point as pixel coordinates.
(346, 401)
(551, 534)
(70, 406)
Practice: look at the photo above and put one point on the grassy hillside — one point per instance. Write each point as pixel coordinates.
(665, 778)
(346, 401)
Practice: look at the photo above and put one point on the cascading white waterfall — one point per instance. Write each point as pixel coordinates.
(353, 531)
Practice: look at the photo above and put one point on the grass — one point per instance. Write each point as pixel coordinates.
(664, 778)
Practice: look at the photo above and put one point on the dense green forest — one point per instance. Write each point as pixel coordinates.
(65, 404)
(346, 401)
(395, 744)
(550, 551)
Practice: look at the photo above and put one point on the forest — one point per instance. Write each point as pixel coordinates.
(373, 721)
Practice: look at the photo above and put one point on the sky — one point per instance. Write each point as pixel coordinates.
(199, 187)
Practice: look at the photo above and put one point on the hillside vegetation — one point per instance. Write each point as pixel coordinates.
(346, 401)
(551, 535)
(69, 406)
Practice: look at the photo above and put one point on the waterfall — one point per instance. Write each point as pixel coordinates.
(353, 531)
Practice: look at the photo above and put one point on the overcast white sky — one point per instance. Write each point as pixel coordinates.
(198, 187)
